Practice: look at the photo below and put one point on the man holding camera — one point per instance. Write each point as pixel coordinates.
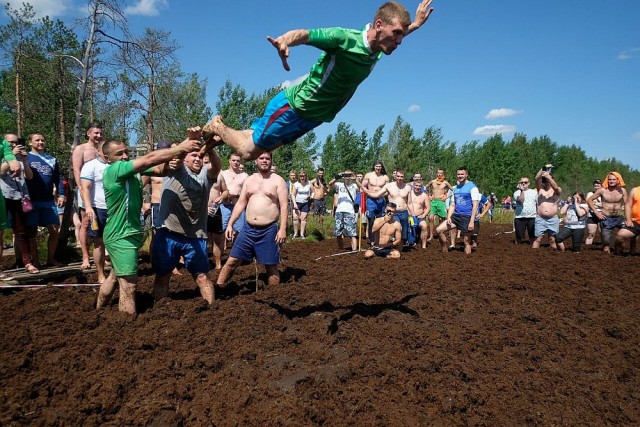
(525, 219)
(346, 214)
(387, 235)
(547, 221)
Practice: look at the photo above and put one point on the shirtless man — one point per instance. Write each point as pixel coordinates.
(438, 207)
(265, 197)
(398, 193)
(374, 181)
(387, 235)
(82, 154)
(214, 224)
(547, 221)
(631, 229)
(419, 208)
(231, 181)
(320, 189)
(593, 222)
(614, 199)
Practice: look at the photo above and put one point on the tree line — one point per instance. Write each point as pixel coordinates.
(55, 80)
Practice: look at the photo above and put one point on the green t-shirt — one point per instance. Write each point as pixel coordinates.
(123, 193)
(346, 61)
(5, 151)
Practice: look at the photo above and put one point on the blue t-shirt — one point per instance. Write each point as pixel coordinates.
(46, 175)
(481, 203)
(463, 198)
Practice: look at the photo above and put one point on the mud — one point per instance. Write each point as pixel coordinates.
(504, 336)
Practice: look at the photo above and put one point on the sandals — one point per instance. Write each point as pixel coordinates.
(32, 269)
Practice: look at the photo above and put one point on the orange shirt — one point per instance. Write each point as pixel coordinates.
(635, 206)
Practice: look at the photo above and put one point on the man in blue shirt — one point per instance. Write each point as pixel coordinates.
(46, 182)
(462, 211)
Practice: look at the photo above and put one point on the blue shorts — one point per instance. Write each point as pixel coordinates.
(304, 207)
(403, 218)
(259, 243)
(280, 124)
(155, 215)
(226, 215)
(383, 252)
(168, 247)
(43, 214)
(101, 217)
(547, 225)
(607, 225)
(375, 207)
(345, 223)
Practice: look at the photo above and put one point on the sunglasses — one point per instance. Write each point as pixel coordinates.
(389, 212)
(524, 182)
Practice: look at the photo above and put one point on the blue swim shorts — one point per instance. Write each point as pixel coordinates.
(259, 243)
(226, 210)
(403, 218)
(375, 207)
(547, 225)
(168, 247)
(280, 124)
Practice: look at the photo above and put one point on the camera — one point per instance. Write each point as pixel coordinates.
(546, 168)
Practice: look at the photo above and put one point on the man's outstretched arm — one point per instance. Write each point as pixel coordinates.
(422, 14)
(287, 40)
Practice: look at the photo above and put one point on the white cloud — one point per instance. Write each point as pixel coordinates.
(42, 8)
(499, 113)
(146, 7)
(627, 54)
(491, 130)
(636, 136)
(285, 84)
(413, 108)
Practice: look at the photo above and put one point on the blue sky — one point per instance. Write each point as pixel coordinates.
(568, 69)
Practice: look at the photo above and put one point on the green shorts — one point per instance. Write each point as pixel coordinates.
(438, 208)
(124, 255)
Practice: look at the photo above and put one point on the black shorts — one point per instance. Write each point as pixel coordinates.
(635, 229)
(383, 252)
(214, 223)
(319, 206)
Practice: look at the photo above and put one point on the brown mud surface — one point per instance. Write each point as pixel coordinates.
(505, 336)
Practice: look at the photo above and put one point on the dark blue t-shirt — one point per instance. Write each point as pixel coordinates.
(46, 174)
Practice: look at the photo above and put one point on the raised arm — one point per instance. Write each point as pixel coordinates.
(160, 156)
(287, 40)
(422, 14)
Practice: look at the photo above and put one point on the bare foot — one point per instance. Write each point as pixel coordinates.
(214, 128)
(175, 272)
(32, 269)
(86, 264)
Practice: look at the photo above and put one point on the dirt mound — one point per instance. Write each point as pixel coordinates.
(504, 336)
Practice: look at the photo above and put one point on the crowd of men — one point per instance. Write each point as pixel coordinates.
(192, 201)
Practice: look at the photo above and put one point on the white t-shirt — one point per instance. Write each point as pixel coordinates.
(303, 192)
(528, 209)
(93, 171)
(345, 204)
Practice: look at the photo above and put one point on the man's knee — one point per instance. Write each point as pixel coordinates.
(394, 254)
(368, 254)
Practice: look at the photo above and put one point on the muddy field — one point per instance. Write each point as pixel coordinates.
(504, 336)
